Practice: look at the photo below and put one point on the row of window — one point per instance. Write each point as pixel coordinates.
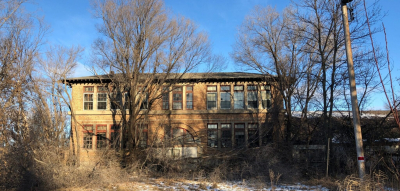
(232, 137)
(225, 97)
(103, 136)
(238, 97)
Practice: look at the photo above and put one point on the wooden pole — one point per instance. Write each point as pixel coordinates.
(353, 92)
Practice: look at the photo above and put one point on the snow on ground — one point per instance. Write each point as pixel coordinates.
(167, 184)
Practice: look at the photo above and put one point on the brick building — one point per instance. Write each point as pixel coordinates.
(199, 114)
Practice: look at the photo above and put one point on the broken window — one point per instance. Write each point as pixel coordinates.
(212, 135)
(239, 136)
(226, 136)
(87, 136)
(252, 130)
(101, 137)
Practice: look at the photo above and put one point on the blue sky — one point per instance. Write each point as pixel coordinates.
(72, 24)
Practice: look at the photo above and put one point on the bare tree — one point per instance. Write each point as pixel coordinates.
(270, 43)
(147, 49)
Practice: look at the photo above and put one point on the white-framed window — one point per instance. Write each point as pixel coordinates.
(189, 97)
(252, 102)
(212, 97)
(266, 96)
(225, 96)
(88, 97)
(101, 101)
(238, 97)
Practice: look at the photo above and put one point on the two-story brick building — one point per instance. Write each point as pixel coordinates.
(199, 114)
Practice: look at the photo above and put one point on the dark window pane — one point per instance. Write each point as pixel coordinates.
(87, 141)
(239, 139)
(101, 140)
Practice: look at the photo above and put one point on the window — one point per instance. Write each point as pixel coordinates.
(211, 97)
(266, 96)
(177, 98)
(143, 135)
(252, 130)
(212, 135)
(116, 100)
(165, 98)
(101, 138)
(238, 97)
(189, 97)
(101, 101)
(225, 97)
(87, 136)
(145, 99)
(226, 136)
(115, 136)
(252, 97)
(88, 98)
(239, 136)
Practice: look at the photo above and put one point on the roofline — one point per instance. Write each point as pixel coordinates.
(198, 77)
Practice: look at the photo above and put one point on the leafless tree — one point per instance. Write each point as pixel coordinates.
(271, 43)
(147, 49)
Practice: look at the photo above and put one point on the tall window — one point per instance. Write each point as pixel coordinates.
(225, 97)
(143, 135)
(177, 98)
(252, 97)
(165, 98)
(101, 138)
(115, 136)
(189, 97)
(212, 135)
(144, 97)
(226, 136)
(239, 136)
(116, 100)
(88, 98)
(211, 97)
(238, 97)
(266, 96)
(252, 130)
(87, 136)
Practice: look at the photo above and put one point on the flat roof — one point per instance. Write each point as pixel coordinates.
(187, 77)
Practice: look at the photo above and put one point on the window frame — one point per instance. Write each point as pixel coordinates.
(266, 90)
(189, 101)
(210, 140)
(165, 93)
(102, 132)
(117, 132)
(87, 133)
(214, 92)
(238, 91)
(239, 130)
(174, 91)
(224, 92)
(256, 94)
(145, 102)
(224, 139)
(253, 139)
(87, 92)
(143, 133)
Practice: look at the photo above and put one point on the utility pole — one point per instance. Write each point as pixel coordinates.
(353, 92)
